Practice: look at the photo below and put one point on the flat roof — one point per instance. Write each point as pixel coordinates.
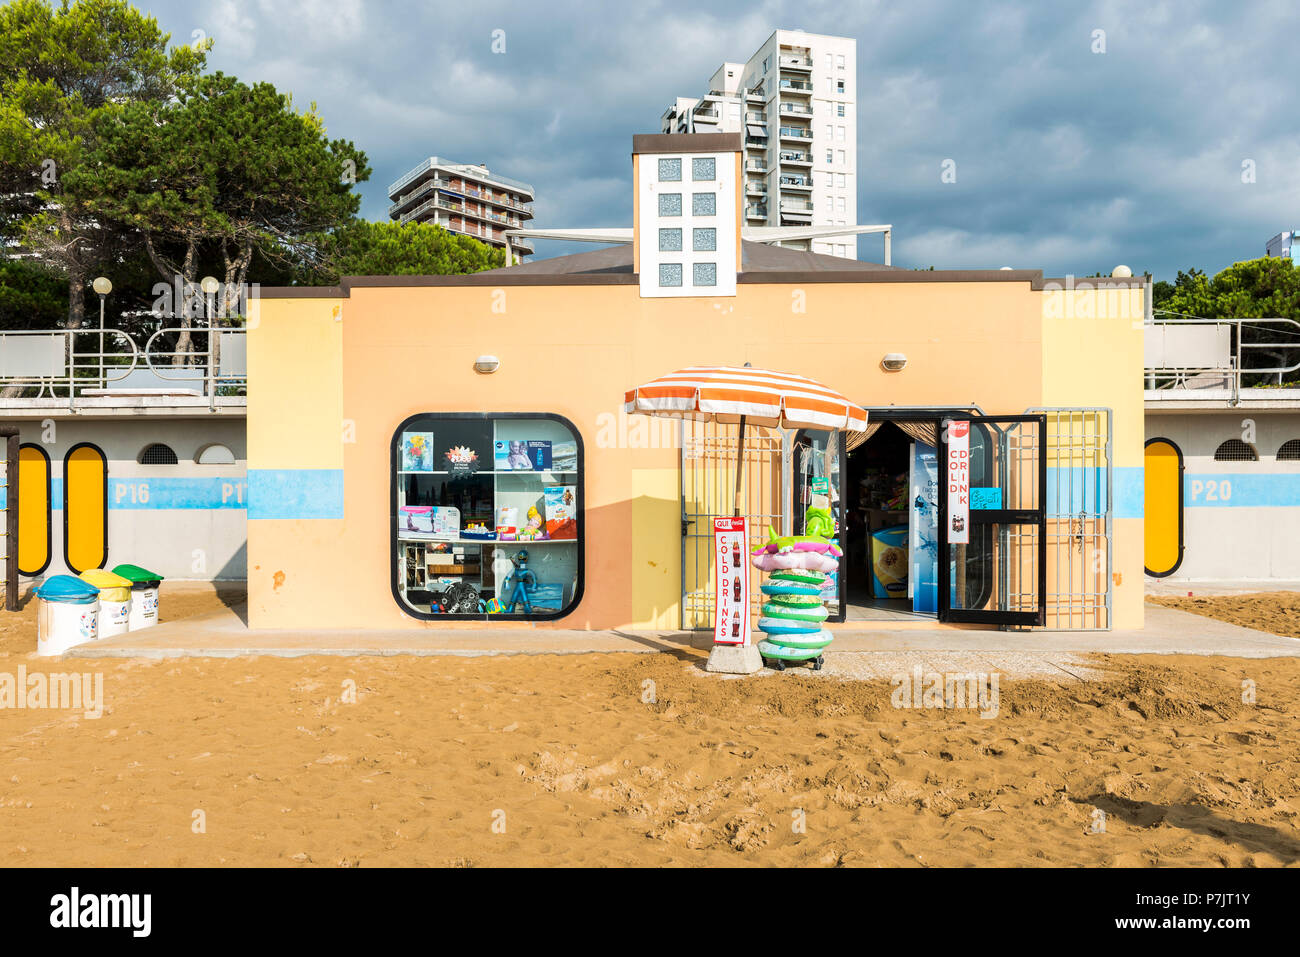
(687, 143)
(470, 170)
(760, 263)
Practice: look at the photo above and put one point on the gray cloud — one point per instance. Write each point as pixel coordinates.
(1067, 160)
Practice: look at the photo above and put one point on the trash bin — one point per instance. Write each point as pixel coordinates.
(144, 594)
(68, 615)
(114, 601)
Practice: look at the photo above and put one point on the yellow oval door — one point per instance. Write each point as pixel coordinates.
(33, 510)
(85, 508)
(1164, 508)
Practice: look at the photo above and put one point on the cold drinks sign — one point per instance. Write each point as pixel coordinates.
(958, 483)
(731, 590)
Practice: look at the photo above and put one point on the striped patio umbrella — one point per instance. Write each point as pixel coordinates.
(735, 394)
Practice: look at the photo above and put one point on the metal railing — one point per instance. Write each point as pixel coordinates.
(71, 365)
(796, 62)
(1188, 355)
(796, 108)
(752, 211)
(793, 156)
(803, 181)
(803, 85)
(796, 132)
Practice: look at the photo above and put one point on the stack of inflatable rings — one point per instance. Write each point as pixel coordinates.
(793, 612)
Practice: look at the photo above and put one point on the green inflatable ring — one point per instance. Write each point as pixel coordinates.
(783, 653)
(819, 613)
(797, 601)
(816, 639)
(800, 576)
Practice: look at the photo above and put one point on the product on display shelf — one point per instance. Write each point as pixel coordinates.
(533, 530)
(521, 455)
(507, 523)
(561, 508)
(564, 456)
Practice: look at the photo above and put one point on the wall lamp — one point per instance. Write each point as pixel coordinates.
(486, 364)
(893, 362)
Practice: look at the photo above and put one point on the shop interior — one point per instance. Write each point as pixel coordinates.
(486, 519)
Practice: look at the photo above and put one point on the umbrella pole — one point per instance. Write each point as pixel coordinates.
(740, 468)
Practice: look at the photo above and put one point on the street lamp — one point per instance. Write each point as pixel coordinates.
(210, 285)
(102, 286)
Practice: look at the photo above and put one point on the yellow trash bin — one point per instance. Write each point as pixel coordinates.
(114, 601)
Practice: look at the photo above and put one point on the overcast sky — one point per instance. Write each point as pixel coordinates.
(1066, 160)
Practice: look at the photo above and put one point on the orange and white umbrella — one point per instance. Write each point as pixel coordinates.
(745, 395)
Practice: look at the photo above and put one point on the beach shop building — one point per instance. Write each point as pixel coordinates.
(410, 434)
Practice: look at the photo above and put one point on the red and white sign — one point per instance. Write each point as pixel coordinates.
(731, 581)
(959, 483)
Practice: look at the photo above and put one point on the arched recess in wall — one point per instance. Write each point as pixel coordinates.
(85, 507)
(1163, 509)
(214, 454)
(34, 509)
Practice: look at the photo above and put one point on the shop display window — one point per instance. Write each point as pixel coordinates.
(487, 516)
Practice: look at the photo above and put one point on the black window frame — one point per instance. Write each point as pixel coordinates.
(580, 514)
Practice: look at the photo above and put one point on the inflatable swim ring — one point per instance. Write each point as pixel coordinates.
(783, 588)
(788, 626)
(810, 613)
(785, 653)
(809, 639)
(799, 575)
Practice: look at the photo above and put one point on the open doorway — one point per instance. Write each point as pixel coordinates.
(883, 490)
(890, 522)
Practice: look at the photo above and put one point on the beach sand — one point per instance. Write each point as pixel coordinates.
(642, 760)
(1277, 612)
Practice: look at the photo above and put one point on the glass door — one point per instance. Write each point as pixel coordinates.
(992, 523)
(816, 466)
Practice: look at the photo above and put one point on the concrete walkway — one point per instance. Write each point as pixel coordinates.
(857, 653)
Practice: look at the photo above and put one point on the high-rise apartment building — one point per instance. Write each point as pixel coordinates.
(463, 198)
(796, 104)
(1284, 244)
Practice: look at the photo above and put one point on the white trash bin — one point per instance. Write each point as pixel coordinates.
(114, 601)
(144, 595)
(68, 615)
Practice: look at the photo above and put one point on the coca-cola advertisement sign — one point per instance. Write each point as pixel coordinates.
(731, 581)
(958, 475)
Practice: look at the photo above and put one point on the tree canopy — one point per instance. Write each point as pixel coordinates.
(390, 249)
(62, 69)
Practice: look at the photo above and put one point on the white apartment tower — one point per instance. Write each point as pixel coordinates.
(796, 104)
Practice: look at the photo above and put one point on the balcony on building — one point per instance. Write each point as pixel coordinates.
(756, 166)
(756, 212)
(796, 182)
(798, 211)
(796, 133)
(755, 136)
(795, 109)
(792, 87)
(795, 158)
(795, 59)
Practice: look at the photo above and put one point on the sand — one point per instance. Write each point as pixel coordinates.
(1277, 612)
(643, 760)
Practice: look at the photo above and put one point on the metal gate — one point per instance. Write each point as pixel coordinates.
(1078, 499)
(708, 487)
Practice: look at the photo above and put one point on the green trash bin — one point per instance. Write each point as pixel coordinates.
(144, 595)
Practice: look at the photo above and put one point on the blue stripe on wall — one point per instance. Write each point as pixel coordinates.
(168, 493)
(1241, 490)
(295, 493)
(1130, 491)
(1073, 490)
